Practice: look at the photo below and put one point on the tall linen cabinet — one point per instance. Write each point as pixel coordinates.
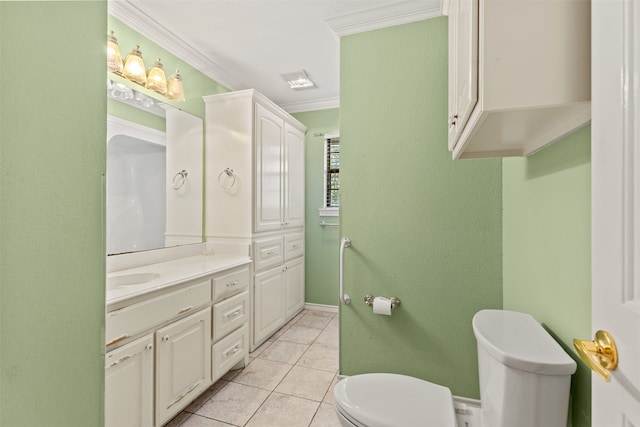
(255, 196)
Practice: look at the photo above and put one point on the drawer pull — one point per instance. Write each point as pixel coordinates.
(233, 314)
(184, 310)
(184, 394)
(120, 338)
(270, 253)
(233, 351)
(122, 359)
(235, 282)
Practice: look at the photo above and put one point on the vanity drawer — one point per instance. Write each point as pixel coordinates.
(230, 283)
(229, 351)
(293, 246)
(229, 314)
(267, 253)
(129, 321)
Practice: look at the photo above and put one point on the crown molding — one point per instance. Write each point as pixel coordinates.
(154, 31)
(313, 105)
(384, 16)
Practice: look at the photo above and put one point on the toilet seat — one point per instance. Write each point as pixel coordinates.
(391, 400)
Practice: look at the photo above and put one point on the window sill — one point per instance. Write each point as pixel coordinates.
(329, 211)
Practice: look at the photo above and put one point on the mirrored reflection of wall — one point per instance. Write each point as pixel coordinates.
(136, 188)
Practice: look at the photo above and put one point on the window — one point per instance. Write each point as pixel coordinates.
(331, 201)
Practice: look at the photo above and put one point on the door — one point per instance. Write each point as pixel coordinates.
(129, 385)
(269, 129)
(616, 205)
(183, 362)
(293, 175)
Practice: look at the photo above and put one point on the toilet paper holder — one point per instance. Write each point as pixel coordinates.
(395, 302)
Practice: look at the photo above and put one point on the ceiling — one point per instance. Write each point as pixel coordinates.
(250, 43)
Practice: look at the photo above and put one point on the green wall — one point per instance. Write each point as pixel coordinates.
(321, 243)
(547, 247)
(52, 163)
(196, 84)
(425, 229)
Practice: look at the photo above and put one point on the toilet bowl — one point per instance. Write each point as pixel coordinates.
(525, 378)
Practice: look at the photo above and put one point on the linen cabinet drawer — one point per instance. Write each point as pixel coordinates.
(267, 253)
(229, 314)
(229, 351)
(230, 283)
(129, 321)
(293, 246)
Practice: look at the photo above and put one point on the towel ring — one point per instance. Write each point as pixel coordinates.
(222, 180)
(179, 179)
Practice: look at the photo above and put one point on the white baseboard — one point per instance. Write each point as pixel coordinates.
(321, 307)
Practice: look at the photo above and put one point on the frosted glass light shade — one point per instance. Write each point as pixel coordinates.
(114, 59)
(175, 89)
(156, 79)
(134, 67)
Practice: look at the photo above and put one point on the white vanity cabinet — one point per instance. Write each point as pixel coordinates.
(519, 74)
(183, 359)
(167, 345)
(129, 383)
(261, 202)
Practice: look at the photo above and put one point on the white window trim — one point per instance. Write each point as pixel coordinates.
(324, 210)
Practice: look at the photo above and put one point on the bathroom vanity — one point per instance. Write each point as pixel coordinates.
(177, 320)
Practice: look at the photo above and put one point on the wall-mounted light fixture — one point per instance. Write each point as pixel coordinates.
(133, 69)
(114, 59)
(156, 79)
(175, 89)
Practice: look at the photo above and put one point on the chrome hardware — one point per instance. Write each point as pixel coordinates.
(234, 314)
(120, 338)
(179, 179)
(601, 354)
(184, 310)
(229, 174)
(328, 224)
(233, 351)
(453, 121)
(235, 282)
(344, 243)
(165, 338)
(149, 347)
(120, 360)
(270, 253)
(395, 302)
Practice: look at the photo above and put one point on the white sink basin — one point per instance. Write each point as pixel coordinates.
(127, 280)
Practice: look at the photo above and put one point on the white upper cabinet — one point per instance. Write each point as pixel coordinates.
(293, 177)
(519, 74)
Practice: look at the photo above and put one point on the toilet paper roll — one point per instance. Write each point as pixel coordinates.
(382, 305)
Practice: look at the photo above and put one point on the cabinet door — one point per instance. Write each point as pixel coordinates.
(269, 130)
(293, 176)
(293, 287)
(183, 363)
(268, 303)
(129, 385)
(463, 46)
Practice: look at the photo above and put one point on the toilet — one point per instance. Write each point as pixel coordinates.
(525, 378)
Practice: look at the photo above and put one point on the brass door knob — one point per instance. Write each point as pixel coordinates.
(601, 354)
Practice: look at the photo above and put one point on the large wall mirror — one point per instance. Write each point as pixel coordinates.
(154, 183)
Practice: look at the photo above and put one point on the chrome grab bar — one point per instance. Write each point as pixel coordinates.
(344, 243)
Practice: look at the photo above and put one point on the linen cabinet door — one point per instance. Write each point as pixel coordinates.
(129, 385)
(183, 363)
(269, 129)
(268, 303)
(293, 177)
(293, 287)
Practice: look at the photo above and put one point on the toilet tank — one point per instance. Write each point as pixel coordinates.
(525, 375)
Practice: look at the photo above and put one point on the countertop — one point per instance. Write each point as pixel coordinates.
(163, 275)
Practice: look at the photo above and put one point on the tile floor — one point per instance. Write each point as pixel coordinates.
(288, 382)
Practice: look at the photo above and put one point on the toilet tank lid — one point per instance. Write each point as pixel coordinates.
(519, 341)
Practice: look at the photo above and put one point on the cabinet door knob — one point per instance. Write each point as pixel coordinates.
(165, 338)
(149, 347)
(453, 121)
